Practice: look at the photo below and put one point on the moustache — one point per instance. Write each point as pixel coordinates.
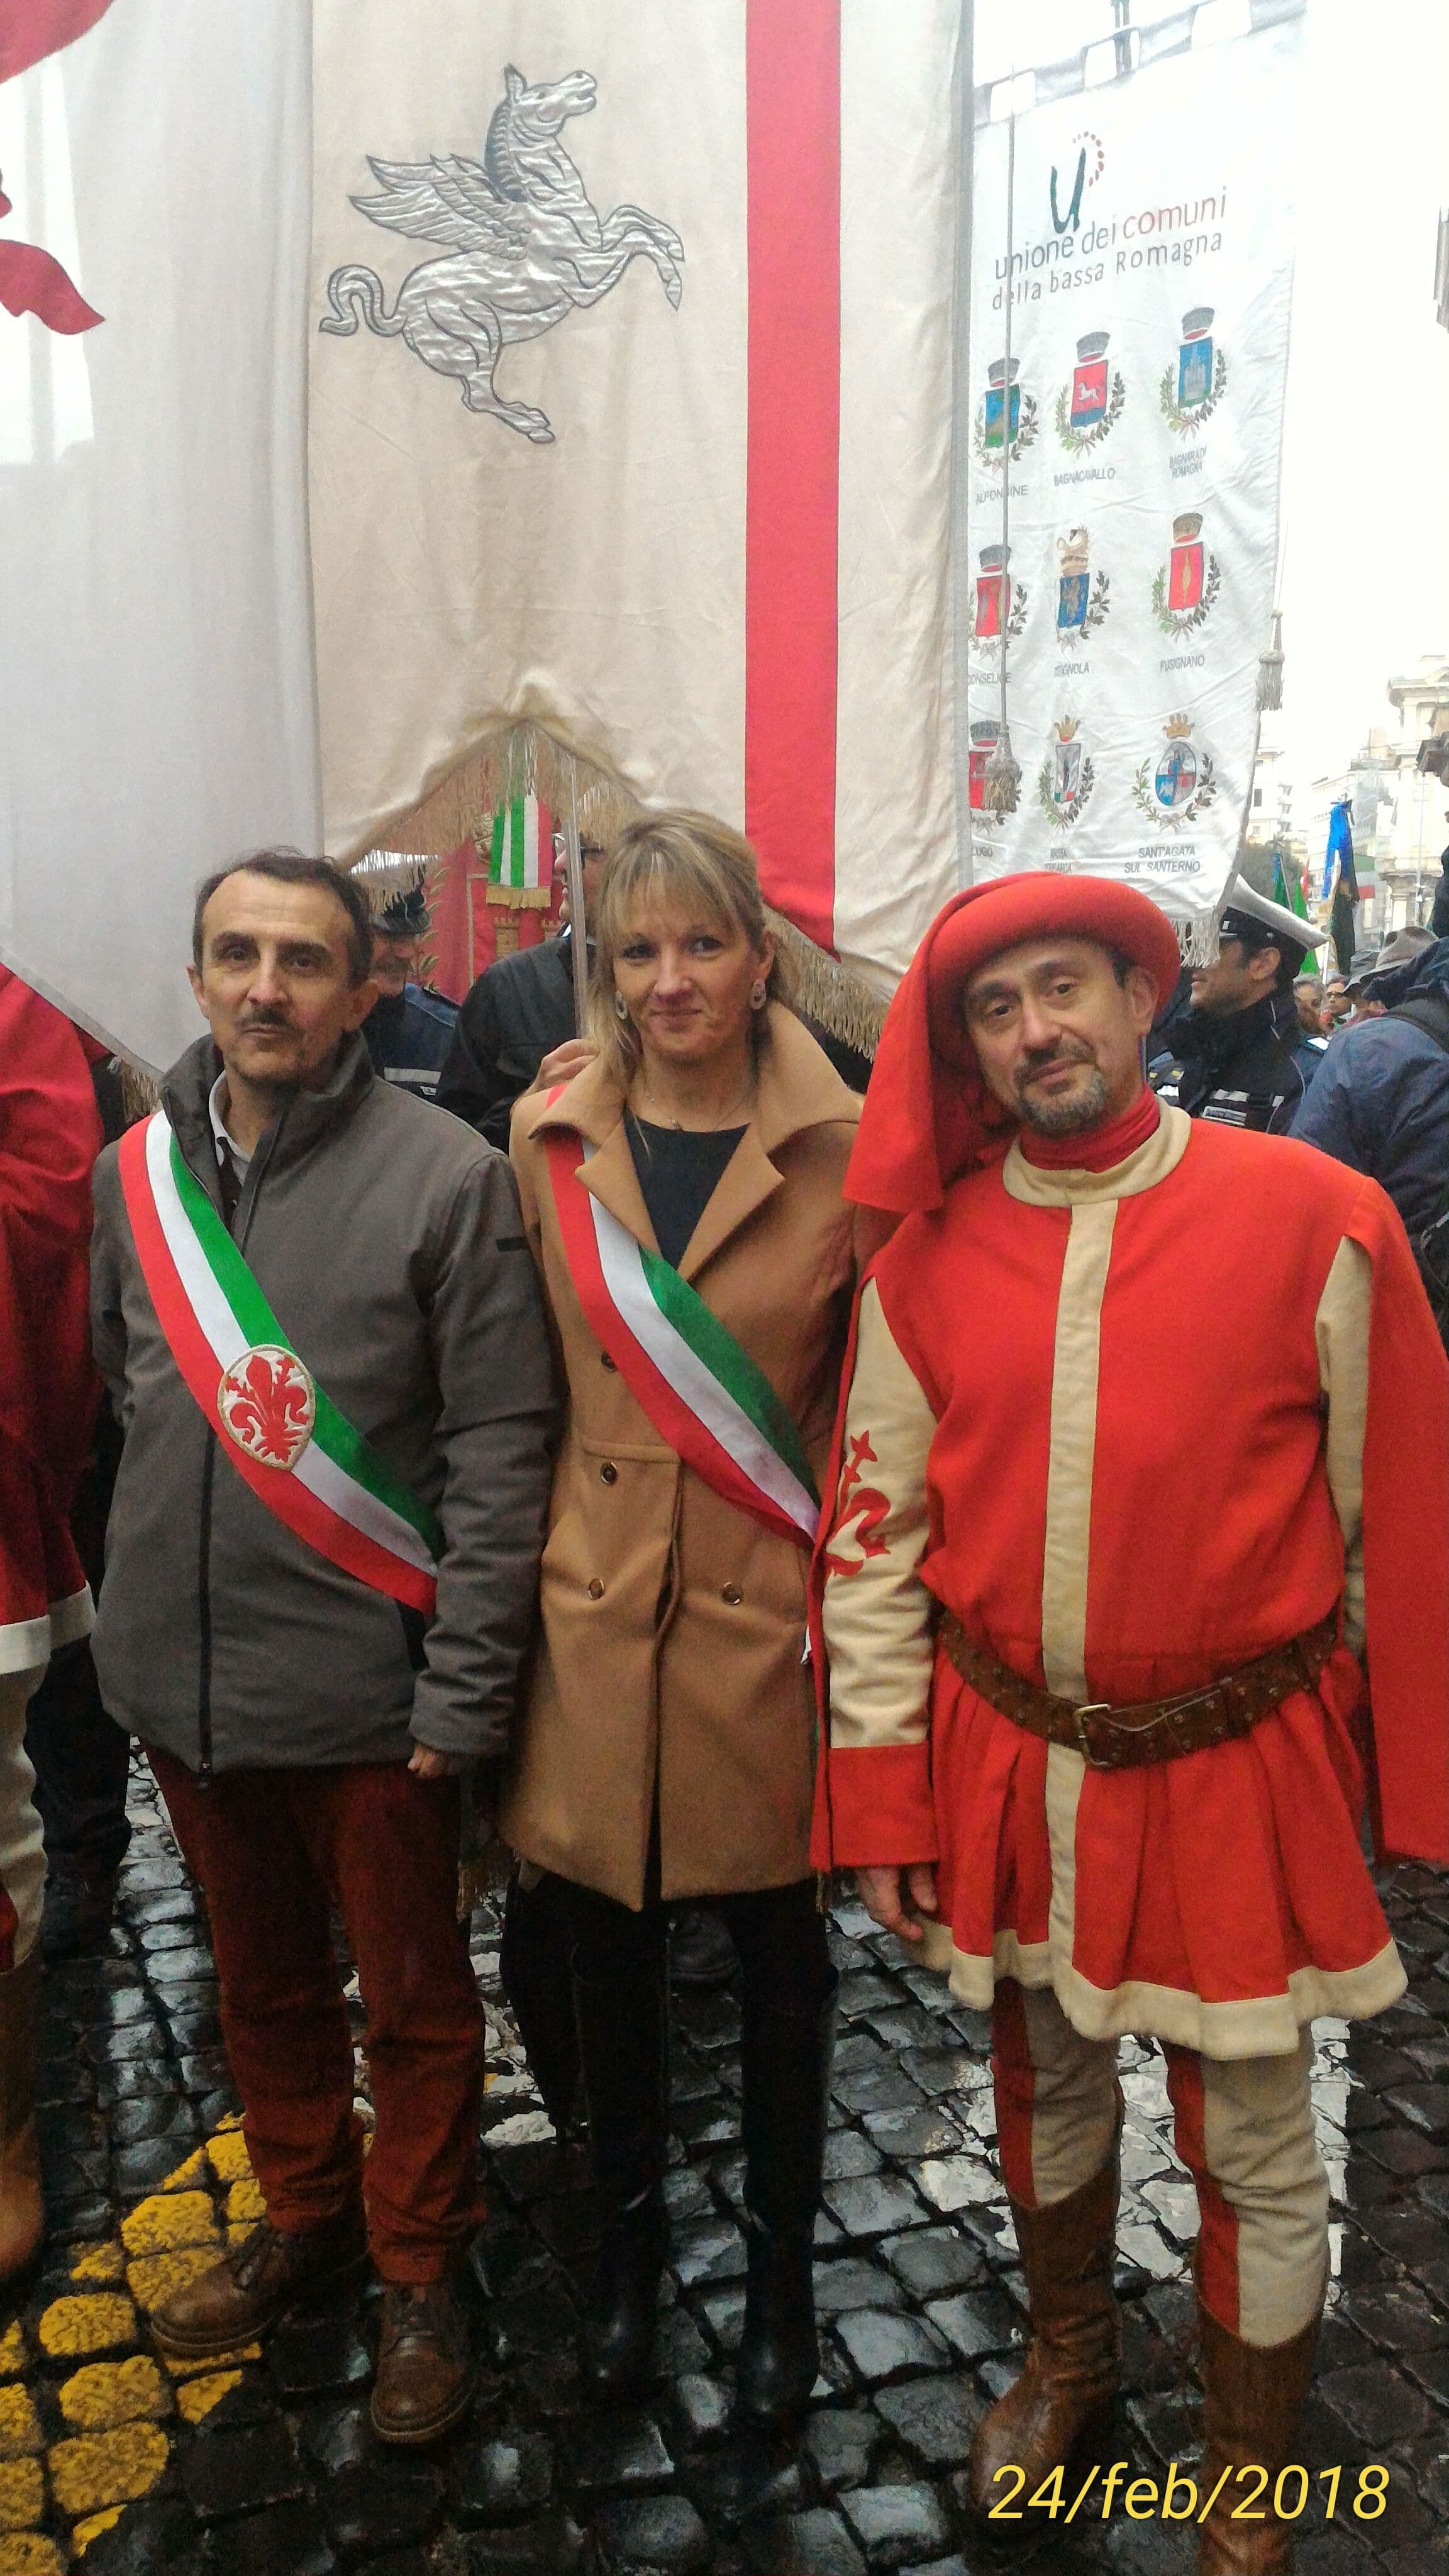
(1051, 1059)
(264, 1020)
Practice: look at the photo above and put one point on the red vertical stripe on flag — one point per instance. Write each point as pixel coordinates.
(792, 84)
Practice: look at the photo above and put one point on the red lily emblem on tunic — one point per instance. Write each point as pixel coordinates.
(268, 1405)
(30, 280)
(861, 1503)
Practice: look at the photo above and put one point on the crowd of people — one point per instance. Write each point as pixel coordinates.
(997, 1479)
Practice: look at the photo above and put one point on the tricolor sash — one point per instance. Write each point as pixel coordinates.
(281, 1432)
(704, 1395)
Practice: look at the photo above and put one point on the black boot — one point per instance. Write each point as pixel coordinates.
(786, 2071)
(533, 1969)
(624, 2053)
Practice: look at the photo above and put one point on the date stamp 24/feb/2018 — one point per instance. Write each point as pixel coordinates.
(1245, 2494)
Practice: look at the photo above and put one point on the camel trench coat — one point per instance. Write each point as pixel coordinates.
(673, 1624)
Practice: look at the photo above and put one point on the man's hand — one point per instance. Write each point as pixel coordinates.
(429, 1765)
(564, 1063)
(886, 1892)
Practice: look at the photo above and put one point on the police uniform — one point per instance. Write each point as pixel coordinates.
(1247, 1068)
(408, 1035)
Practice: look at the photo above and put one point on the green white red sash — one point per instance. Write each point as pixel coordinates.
(281, 1432)
(704, 1395)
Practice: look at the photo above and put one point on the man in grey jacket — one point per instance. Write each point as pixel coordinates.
(314, 1306)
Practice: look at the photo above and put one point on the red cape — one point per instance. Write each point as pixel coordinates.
(50, 1135)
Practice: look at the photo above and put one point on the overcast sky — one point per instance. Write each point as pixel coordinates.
(1366, 526)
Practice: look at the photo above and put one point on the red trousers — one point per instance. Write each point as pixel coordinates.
(273, 1851)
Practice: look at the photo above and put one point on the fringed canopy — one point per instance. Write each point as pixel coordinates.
(510, 760)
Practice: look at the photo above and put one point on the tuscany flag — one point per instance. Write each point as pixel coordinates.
(631, 414)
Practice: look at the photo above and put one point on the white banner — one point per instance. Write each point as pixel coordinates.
(631, 413)
(1152, 272)
(156, 687)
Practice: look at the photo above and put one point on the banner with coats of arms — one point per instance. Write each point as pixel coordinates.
(1132, 585)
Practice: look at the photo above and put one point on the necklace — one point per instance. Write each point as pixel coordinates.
(743, 1101)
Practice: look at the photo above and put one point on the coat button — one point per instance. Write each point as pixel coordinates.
(596, 1590)
(733, 1595)
(608, 1473)
(606, 1362)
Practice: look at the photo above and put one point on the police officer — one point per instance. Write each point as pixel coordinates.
(409, 1028)
(1238, 1055)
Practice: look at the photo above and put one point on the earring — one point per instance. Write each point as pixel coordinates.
(758, 994)
(621, 1007)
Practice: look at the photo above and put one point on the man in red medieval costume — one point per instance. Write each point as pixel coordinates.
(50, 1134)
(1144, 1464)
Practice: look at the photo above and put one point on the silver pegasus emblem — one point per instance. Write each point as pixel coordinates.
(524, 246)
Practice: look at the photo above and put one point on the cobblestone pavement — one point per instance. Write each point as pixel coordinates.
(263, 2466)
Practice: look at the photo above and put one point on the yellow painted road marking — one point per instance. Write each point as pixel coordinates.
(107, 2468)
(197, 2397)
(105, 2262)
(20, 2432)
(94, 2524)
(169, 2220)
(22, 2494)
(88, 2324)
(29, 2553)
(108, 2393)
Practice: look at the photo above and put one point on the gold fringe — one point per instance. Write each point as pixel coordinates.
(507, 758)
(140, 1093)
(827, 992)
(512, 758)
(1197, 942)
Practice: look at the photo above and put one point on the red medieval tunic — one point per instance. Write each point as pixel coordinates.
(50, 1134)
(1135, 1427)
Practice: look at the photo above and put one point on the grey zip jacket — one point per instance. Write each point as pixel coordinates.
(386, 1238)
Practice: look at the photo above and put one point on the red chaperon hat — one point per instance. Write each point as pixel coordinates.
(928, 1116)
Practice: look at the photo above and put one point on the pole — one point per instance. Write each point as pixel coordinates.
(1121, 34)
(1006, 412)
(578, 926)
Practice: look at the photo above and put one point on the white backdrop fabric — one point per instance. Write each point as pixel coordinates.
(1153, 275)
(157, 702)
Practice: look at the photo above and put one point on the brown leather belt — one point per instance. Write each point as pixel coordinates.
(1150, 1730)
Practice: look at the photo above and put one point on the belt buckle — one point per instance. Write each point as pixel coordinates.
(1080, 1716)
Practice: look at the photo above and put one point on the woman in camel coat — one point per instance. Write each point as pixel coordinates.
(667, 1751)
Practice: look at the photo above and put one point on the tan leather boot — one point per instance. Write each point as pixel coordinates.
(1076, 2338)
(255, 2284)
(1252, 2397)
(425, 2374)
(22, 2212)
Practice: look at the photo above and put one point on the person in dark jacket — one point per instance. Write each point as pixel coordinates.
(409, 1029)
(520, 1009)
(319, 1595)
(1238, 1056)
(1381, 1100)
(1439, 916)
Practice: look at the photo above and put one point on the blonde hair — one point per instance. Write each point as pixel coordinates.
(673, 856)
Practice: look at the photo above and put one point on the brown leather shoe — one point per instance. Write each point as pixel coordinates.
(254, 2285)
(1071, 2361)
(22, 2212)
(424, 2381)
(1252, 2397)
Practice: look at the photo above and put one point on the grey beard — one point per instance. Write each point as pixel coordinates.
(1068, 1117)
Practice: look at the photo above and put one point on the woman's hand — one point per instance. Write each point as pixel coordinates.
(429, 1765)
(885, 1893)
(564, 1063)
